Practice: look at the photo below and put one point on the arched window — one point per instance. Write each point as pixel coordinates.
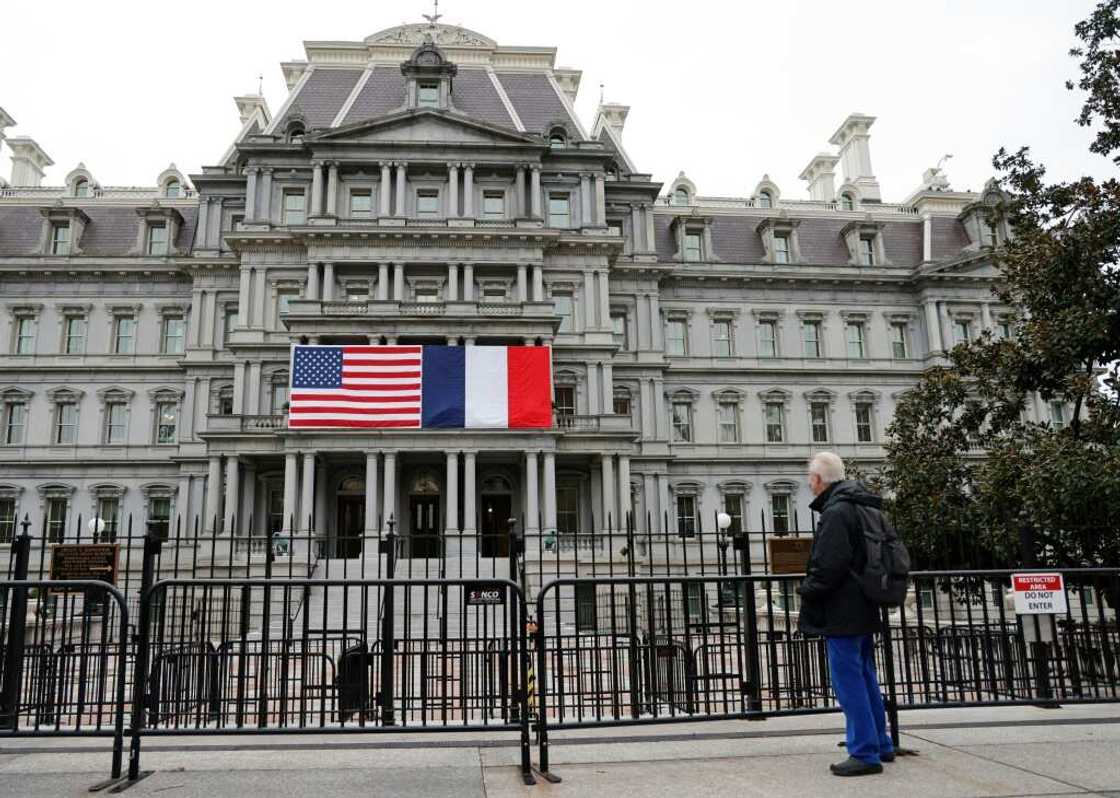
(557, 138)
(173, 189)
(847, 203)
(81, 188)
(295, 133)
(679, 197)
(765, 200)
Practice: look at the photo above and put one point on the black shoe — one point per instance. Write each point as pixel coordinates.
(854, 767)
(889, 757)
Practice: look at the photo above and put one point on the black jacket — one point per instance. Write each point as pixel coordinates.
(832, 603)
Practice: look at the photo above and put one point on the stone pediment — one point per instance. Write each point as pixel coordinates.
(422, 126)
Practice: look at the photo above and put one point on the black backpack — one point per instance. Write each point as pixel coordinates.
(887, 565)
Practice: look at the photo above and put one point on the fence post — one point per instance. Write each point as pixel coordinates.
(888, 667)
(17, 631)
(742, 544)
(632, 621)
(516, 548)
(389, 548)
(140, 673)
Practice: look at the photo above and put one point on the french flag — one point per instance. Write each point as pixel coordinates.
(487, 387)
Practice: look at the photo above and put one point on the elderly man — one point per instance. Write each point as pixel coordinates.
(833, 605)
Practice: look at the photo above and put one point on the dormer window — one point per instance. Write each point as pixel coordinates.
(864, 239)
(173, 189)
(781, 248)
(679, 197)
(693, 246)
(867, 250)
(427, 95)
(557, 138)
(60, 238)
(765, 200)
(82, 189)
(295, 132)
(847, 202)
(991, 231)
(779, 238)
(157, 238)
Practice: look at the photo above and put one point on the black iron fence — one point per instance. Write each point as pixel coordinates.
(536, 635)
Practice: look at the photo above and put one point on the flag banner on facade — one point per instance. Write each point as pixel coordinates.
(415, 387)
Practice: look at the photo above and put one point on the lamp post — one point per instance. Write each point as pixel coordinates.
(389, 549)
(741, 543)
(96, 527)
(723, 522)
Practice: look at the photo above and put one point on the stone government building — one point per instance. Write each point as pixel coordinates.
(426, 185)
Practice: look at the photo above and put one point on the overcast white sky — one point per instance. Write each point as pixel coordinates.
(725, 91)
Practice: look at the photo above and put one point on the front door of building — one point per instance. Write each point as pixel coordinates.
(424, 539)
(351, 526)
(496, 510)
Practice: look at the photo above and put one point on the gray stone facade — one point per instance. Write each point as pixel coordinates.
(703, 348)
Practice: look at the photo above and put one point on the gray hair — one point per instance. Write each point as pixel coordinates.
(828, 466)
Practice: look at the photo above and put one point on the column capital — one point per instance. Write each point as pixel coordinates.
(264, 170)
(468, 165)
(536, 167)
(316, 163)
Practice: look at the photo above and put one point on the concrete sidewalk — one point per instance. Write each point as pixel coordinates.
(977, 752)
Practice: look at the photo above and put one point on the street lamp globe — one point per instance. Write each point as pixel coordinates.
(723, 521)
(96, 526)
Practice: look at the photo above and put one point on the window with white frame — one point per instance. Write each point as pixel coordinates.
(765, 200)
(494, 293)
(676, 336)
(24, 339)
(679, 197)
(7, 519)
(1005, 329)
(108, 510)
(56, 507)
(780, 511)
(567, 508)
(427, 292)
(116, 421)
(361, 202)
(564, 306)
(278, 393)
(82, 189)
(855, 335)
(15, 417)
(767, 338)
(427, 203)
(620, 329)
(693, 246)
(284, 297)
(962, 330)
(722, 336)
(60, 238)
(161, 507)
(900, 348)
(565, 399)
(867, 251)
(728, 412)
(294, 206)
(74, 334)
(775, 414)
(865, 430)
(686, 515)
(623, 402)
(166, 419)
(174, 334)
(427, 95)
(781, 248)
(173, 189)
(223, 405)
(157, 238)
(65, 418)
(559, 209)
(682, 420)
(734, 505)
(494, 205)
(1058, 415)
(694, 601)
(231, 320)
(847, 202)
(811, 338)
(819, 411)
(124, 334)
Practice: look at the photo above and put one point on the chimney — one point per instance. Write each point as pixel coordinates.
(248, 104)
(820, 173)
(611, 115)
(6, 121)
(853, 139)
(568, 81)
(28, 162)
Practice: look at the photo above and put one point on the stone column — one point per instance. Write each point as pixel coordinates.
(328, 281)
(535, 192)
(665, 504)
(600, 200)
(589, 303)
(213, 508)
(642, 326)
(372, 507)
(453, 190)
(244, 295)
(594, 391)
(195, 332)
(253, 389)
(649, 423)
(604, 300)
(986, 315)
(316, 189)
(468, 282)
(661, 420)
(610, 507)
(398, 282)
(389, 494)
(933, 328)
(651, 240)
(251, 194)
(657, 329)
(585, 200)
(258, 299)
(453, 282)
(470, 513)
(468, 190)
(188, 410)
(291, 482)
(265, 204)
(248, 523)
(637, 230)
(522, 283)
(608, 387)
(238, 388)
(233, 496)
(384, 189)
(402, 182)
(549, 493)
(451, 490)
(313, 281)
(209, 311)
(538, 282)
(307, 493)
(383, 280)
(532, 494)
(332, 189)
(624, 504)
(649, 496)
(520, 203)
(202, 226)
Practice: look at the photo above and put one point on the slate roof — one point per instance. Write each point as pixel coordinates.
(736, 240)
(111, 231)
(473, 94)
(536, 102)
(382, 94)
(321, 97)
(947, 238)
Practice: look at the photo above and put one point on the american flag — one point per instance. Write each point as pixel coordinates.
(355, 386)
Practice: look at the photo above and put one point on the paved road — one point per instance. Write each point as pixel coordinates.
(965, 753)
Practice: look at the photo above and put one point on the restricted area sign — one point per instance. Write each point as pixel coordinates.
(1039, 594)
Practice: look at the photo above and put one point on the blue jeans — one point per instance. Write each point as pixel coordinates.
(852, 664)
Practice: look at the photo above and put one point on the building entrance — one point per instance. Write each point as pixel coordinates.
(424, 536)
(496, 510)
(351, 526)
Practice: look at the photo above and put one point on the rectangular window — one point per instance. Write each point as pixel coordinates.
(15, 422)
(1057, 415)
(66, 423)
(781, 249)
(60, 238)
(109, 511)
(565, 400)
(231, 321)
(779, 512)
(864, 432)
(733, 506)
(811, 338)
(775, 422)
(867, 251)
(124, 335)
(567, 509)
(564, 307)
(157, 238)
(493, 205)
(586, 613)
(686, 516)
(695, 601)
(619, 329)
(494, 295)
(1004, 329)
(294, 206)
(767, 339)
(284, 301)
(559, 210)
(427, 95)
(427, 294)
(356, 293)
(116, 423)
(855, 339)
(818, 420)
(75, 337)
(693, 247)
(721, 338)
(728, 422)
(167, 421)
(962, 331)
(622, 406)
(225, 402)
(7, 520)
(682, 422)
(56, 519)
(676, 337)
(427, 203)
(25, 335)
(174, 335)
(361, 202)
(159, 513)
(898, 341)
(278, 397)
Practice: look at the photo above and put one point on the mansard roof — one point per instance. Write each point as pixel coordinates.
(439, 122)
(111, 230)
